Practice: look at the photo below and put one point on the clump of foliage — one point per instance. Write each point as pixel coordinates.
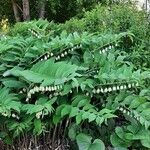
(78, 89)
(116, 18)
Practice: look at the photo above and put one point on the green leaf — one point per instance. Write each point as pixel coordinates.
(72, 133)
(99, 120)
(97, 145)
(13, 83)
(83, 141)
(146, 143)
(79, 118)
(119, 131)
(37, 126)
(66, 110)
(118, 142)
(91, 117)
(48, 72)
(56, 119)
(74, 112)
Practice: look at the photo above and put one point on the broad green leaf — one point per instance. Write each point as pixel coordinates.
(83, 141)
(97, 145)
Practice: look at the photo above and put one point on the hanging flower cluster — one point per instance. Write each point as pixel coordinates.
(104, 89)
(107, 48)
(34, 33)
(37, 89)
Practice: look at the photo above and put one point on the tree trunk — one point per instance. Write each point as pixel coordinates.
(16, 12)
(26, 10)
(42, 4)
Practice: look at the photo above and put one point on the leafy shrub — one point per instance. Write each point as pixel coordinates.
(56, 87)
(116, 18)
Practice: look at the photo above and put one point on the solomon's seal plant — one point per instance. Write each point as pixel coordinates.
(55, 89)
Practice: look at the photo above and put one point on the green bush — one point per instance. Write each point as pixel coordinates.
(116, 18)
(76, 87)
(84, 83)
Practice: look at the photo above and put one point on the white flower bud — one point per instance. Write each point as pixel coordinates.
(121, 109)
(118, 88)
(98, 91)
(21, 92)
(61, 86)
(29, 95)
(105, 90)
(17, 117)
(114, 88)
(55, 88)
(125, 87)
(31, 91)
(121, 87)
(137, 84)
(94, 91)
(65, 53)
(27, 99)
(36, 89)
(76, 47)
(52, 54)
(102, 90)
(103, 51)
(24, 90)
(4, 114)
(49, 88)
(62, 55)
(52, 88)
(124, 111)
(129, 85)
(100, 52)
(13, 115)
(87, 94)
(42, 89)
(128, 113)
(38, 115)
(109, 89)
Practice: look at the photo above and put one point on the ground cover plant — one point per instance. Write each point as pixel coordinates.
(71, 91)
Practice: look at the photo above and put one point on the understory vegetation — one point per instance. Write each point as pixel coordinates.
(84, 84)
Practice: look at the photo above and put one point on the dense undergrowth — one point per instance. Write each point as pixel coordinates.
(85, 90)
